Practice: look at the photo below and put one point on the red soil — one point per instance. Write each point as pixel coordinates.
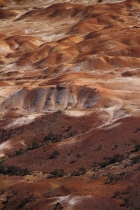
(69, 105)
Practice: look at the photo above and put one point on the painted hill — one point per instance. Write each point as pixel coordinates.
(69, 105)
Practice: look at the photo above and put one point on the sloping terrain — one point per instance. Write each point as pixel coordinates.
(69, 105)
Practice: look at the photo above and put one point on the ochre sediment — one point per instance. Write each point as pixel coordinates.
(69, 105)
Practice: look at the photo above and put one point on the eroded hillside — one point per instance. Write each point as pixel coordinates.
(69, 104)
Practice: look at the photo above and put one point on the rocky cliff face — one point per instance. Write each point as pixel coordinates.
(69, 104)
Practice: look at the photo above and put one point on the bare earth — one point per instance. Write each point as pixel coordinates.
(69, 105)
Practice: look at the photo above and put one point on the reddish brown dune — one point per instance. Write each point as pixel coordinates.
(69, 105)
